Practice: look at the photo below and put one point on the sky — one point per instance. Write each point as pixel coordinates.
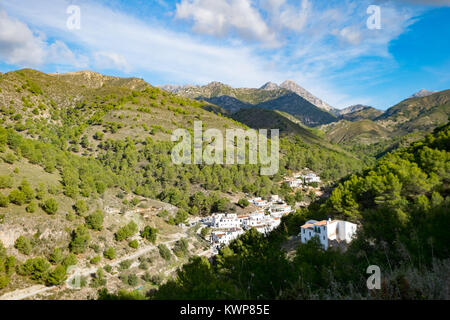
(373, 52)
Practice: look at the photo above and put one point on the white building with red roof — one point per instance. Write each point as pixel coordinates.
(327, 231)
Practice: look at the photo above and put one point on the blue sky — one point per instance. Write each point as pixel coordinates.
(324, 45)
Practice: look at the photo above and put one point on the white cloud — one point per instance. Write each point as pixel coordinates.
(219, 17)
(18, 44)
(111, 60)
(323, 39)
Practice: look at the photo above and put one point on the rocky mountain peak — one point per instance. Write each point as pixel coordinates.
(270, 86)
(422, 93)
(294, 87)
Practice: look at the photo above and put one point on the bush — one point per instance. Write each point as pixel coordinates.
(164, 252)
(56, 256)
(32, 206)
(205, 231)
(95, 260)
(70, 260)
(36, 268)
(4, 201)
(80, 239)
(99, 279)
(133, 280)
(23, 245)
(150, 234)
(134, 244)
(80, 207)
(181, 248)
(127, 231)
(243, 203)
(50, 206)
(5, 182)
(95, 220)
(17, 197)
(109, 253)
(125, 264)
(57, 276)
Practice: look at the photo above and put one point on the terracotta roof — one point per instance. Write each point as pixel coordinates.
(321, 223)
(306, 226)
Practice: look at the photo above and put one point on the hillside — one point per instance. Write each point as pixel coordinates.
(360, 112)
(414, 114)
(359, 132)
(398, 204)
(87, 180)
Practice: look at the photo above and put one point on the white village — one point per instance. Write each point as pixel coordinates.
(226, 227)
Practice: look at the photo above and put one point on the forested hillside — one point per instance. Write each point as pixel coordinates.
(402, 208)
(86, 179)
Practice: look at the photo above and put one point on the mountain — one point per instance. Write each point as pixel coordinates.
(351, 109)
(422, 93)
(418, 114)
(358, 132)
(294, 87)
(359, 112)
(270, 96)
(300, 108)
(270, 86)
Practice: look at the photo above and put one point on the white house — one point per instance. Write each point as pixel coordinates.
(225, 236)
(327, 230)
(221, 220)
(279, 209)
(259, 202)
(295, 183)
(311, 177)
(253, 220)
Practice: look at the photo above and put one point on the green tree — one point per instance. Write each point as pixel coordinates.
(95, 220)
(57, 276)
(109, 253)
(50, 206)
(23, 245)
(149, 234)
(80, 239)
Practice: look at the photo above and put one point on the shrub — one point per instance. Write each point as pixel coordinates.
(80, 239)
(150, 234)
(80, 207)
(133, 280)
(164, 252)
(134, 244)
(4, 201)
(36, 268)
(57, 276)
(50, 206)
(56, 256)
(95, 220)
(99, 279)
(125, 264)
(95, 260)
(243, 203)
(127, 231)
(181, 248)
(70, 260)
(17, 197)
(109, 253)
(32, 206)
(23, 245)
